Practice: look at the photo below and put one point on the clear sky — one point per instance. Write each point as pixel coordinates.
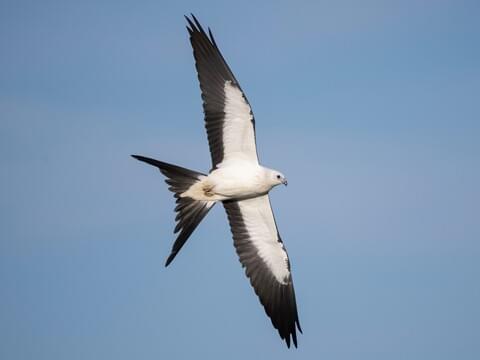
(370, 108)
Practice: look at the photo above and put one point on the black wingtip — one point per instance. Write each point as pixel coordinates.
(195, 19)
(289, 338)
(170, 258)
(212, 39)
(190, 26)
(197, 25)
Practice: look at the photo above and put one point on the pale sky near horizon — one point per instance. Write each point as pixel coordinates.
(372, 111)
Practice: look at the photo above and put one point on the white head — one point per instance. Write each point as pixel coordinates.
(276, 178)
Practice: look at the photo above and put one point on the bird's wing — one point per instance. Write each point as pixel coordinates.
(262, 253)
(228, 117)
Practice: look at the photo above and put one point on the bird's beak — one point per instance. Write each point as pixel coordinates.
(285, 182)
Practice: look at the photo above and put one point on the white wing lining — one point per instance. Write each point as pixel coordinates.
(259, 221)
(238, 130)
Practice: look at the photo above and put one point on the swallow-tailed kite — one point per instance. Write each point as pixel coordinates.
(238, 181)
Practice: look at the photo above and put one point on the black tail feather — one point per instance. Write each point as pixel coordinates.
(190, 212)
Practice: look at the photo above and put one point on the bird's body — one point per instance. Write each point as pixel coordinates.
(233, 181)
(238, 181)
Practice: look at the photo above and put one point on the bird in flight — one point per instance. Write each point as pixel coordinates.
(238, 181)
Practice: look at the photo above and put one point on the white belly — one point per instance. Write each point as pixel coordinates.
(241, 180)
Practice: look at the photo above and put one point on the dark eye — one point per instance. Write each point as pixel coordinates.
(278, 177)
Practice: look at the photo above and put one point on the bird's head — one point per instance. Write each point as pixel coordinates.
(277, 178)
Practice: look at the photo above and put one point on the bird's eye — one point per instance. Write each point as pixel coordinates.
(278, 177)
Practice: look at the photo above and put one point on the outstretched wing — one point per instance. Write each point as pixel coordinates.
(261, 252)
(228, 117)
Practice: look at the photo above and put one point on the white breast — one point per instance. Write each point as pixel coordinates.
(239, 179)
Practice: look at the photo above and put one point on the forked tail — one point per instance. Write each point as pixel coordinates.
(190, 212)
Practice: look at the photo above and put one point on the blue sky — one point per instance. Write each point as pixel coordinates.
(370, 108)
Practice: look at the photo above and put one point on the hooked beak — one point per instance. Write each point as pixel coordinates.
(285, 182)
